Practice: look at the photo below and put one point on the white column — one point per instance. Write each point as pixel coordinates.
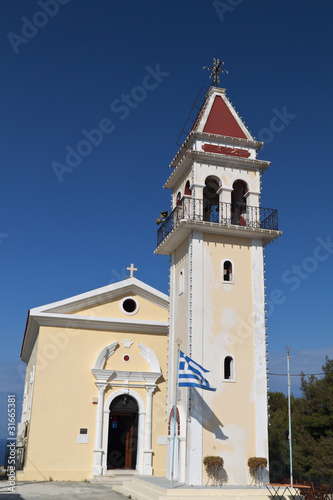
(148, 452)
(252, 198)
(98, 450)
(194, 435)
(225, 210)
(187, 207)
(253, 210)
(197, 193)
(260, 376)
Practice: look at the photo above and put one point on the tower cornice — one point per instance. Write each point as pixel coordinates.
(185, 227)
(212, 158)
(222, 139)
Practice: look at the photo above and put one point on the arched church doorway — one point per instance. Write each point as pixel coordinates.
(123, 433)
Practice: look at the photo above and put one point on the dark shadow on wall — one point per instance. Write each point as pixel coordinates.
(201, 412)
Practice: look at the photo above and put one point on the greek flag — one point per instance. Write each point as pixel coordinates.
(191, 374)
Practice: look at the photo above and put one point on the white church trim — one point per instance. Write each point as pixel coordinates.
(104, 355)
(149, 356)
(194, 425)
(260, 388)
(180, 446)
(130, 286)
(126, 380)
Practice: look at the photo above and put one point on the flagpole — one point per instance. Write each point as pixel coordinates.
(175, 414)
(289, 418)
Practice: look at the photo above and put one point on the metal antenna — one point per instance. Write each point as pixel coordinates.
(215, 71)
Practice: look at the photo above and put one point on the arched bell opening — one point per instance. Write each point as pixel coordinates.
(123, 433)
(187, 191)
(211, 199)
(238, 203)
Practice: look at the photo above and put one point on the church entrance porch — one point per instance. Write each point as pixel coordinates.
(123, 432)
(123, 437)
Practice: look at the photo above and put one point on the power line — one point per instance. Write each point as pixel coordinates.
(294, 374)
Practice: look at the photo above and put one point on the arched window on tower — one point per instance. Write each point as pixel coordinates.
(211, 199)
(238, 203)
(178, 211)
(227, 271)
(187, 200)
(229, 368)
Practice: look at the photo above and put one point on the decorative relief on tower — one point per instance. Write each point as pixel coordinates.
(213, 148)
(127, 343)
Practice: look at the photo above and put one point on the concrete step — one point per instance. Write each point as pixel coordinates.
(114, 477)
(137, 490)
(159, 489)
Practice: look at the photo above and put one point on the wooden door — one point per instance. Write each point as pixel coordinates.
(122, 442)
(129, 441)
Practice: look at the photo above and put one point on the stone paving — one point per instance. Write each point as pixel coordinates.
(56, 490)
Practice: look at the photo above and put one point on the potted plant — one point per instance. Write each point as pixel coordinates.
(256, 466)
(213, 466)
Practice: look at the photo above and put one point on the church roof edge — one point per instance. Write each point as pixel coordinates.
(98, 295)
(103, 293)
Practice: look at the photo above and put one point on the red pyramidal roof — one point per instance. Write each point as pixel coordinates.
(218, 116)
(220, 121)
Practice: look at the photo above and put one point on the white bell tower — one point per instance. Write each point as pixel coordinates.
(215, 236)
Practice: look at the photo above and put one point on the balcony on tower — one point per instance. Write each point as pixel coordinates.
(231, 219)
(216, 180)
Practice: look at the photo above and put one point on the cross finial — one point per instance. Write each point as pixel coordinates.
(131, 269)
(215, 71)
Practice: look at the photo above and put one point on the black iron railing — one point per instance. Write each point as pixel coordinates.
(223, 214)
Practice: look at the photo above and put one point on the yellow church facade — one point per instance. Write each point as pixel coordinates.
(95, 391)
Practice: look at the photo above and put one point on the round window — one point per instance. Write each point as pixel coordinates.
(130, 305)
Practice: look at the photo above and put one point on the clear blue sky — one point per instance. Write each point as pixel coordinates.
(58, 239)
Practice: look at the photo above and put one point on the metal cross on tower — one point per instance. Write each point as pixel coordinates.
(215, 71)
